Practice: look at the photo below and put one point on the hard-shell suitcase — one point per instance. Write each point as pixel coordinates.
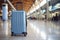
(18, 23)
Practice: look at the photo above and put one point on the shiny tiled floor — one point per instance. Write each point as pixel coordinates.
(47, 30)
(37, 30)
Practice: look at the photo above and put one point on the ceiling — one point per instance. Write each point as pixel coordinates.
(19, 4)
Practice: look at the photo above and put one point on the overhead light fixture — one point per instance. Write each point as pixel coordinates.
(57, 5)
(50, 8)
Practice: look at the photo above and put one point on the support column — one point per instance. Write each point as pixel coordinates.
(5, 12)
(47, 14)
(5, 18)
(40, 13)
(37, 14)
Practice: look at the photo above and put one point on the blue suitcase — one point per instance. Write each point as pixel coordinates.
(18, 23)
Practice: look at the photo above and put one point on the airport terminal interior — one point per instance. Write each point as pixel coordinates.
(29, 19)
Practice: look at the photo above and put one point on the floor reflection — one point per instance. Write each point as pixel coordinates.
(48, 30)
(5, 27)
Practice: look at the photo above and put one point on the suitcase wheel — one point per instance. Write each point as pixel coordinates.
(25, 33)
(12, 34)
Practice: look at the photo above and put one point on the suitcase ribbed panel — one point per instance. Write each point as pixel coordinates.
(18, 22)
